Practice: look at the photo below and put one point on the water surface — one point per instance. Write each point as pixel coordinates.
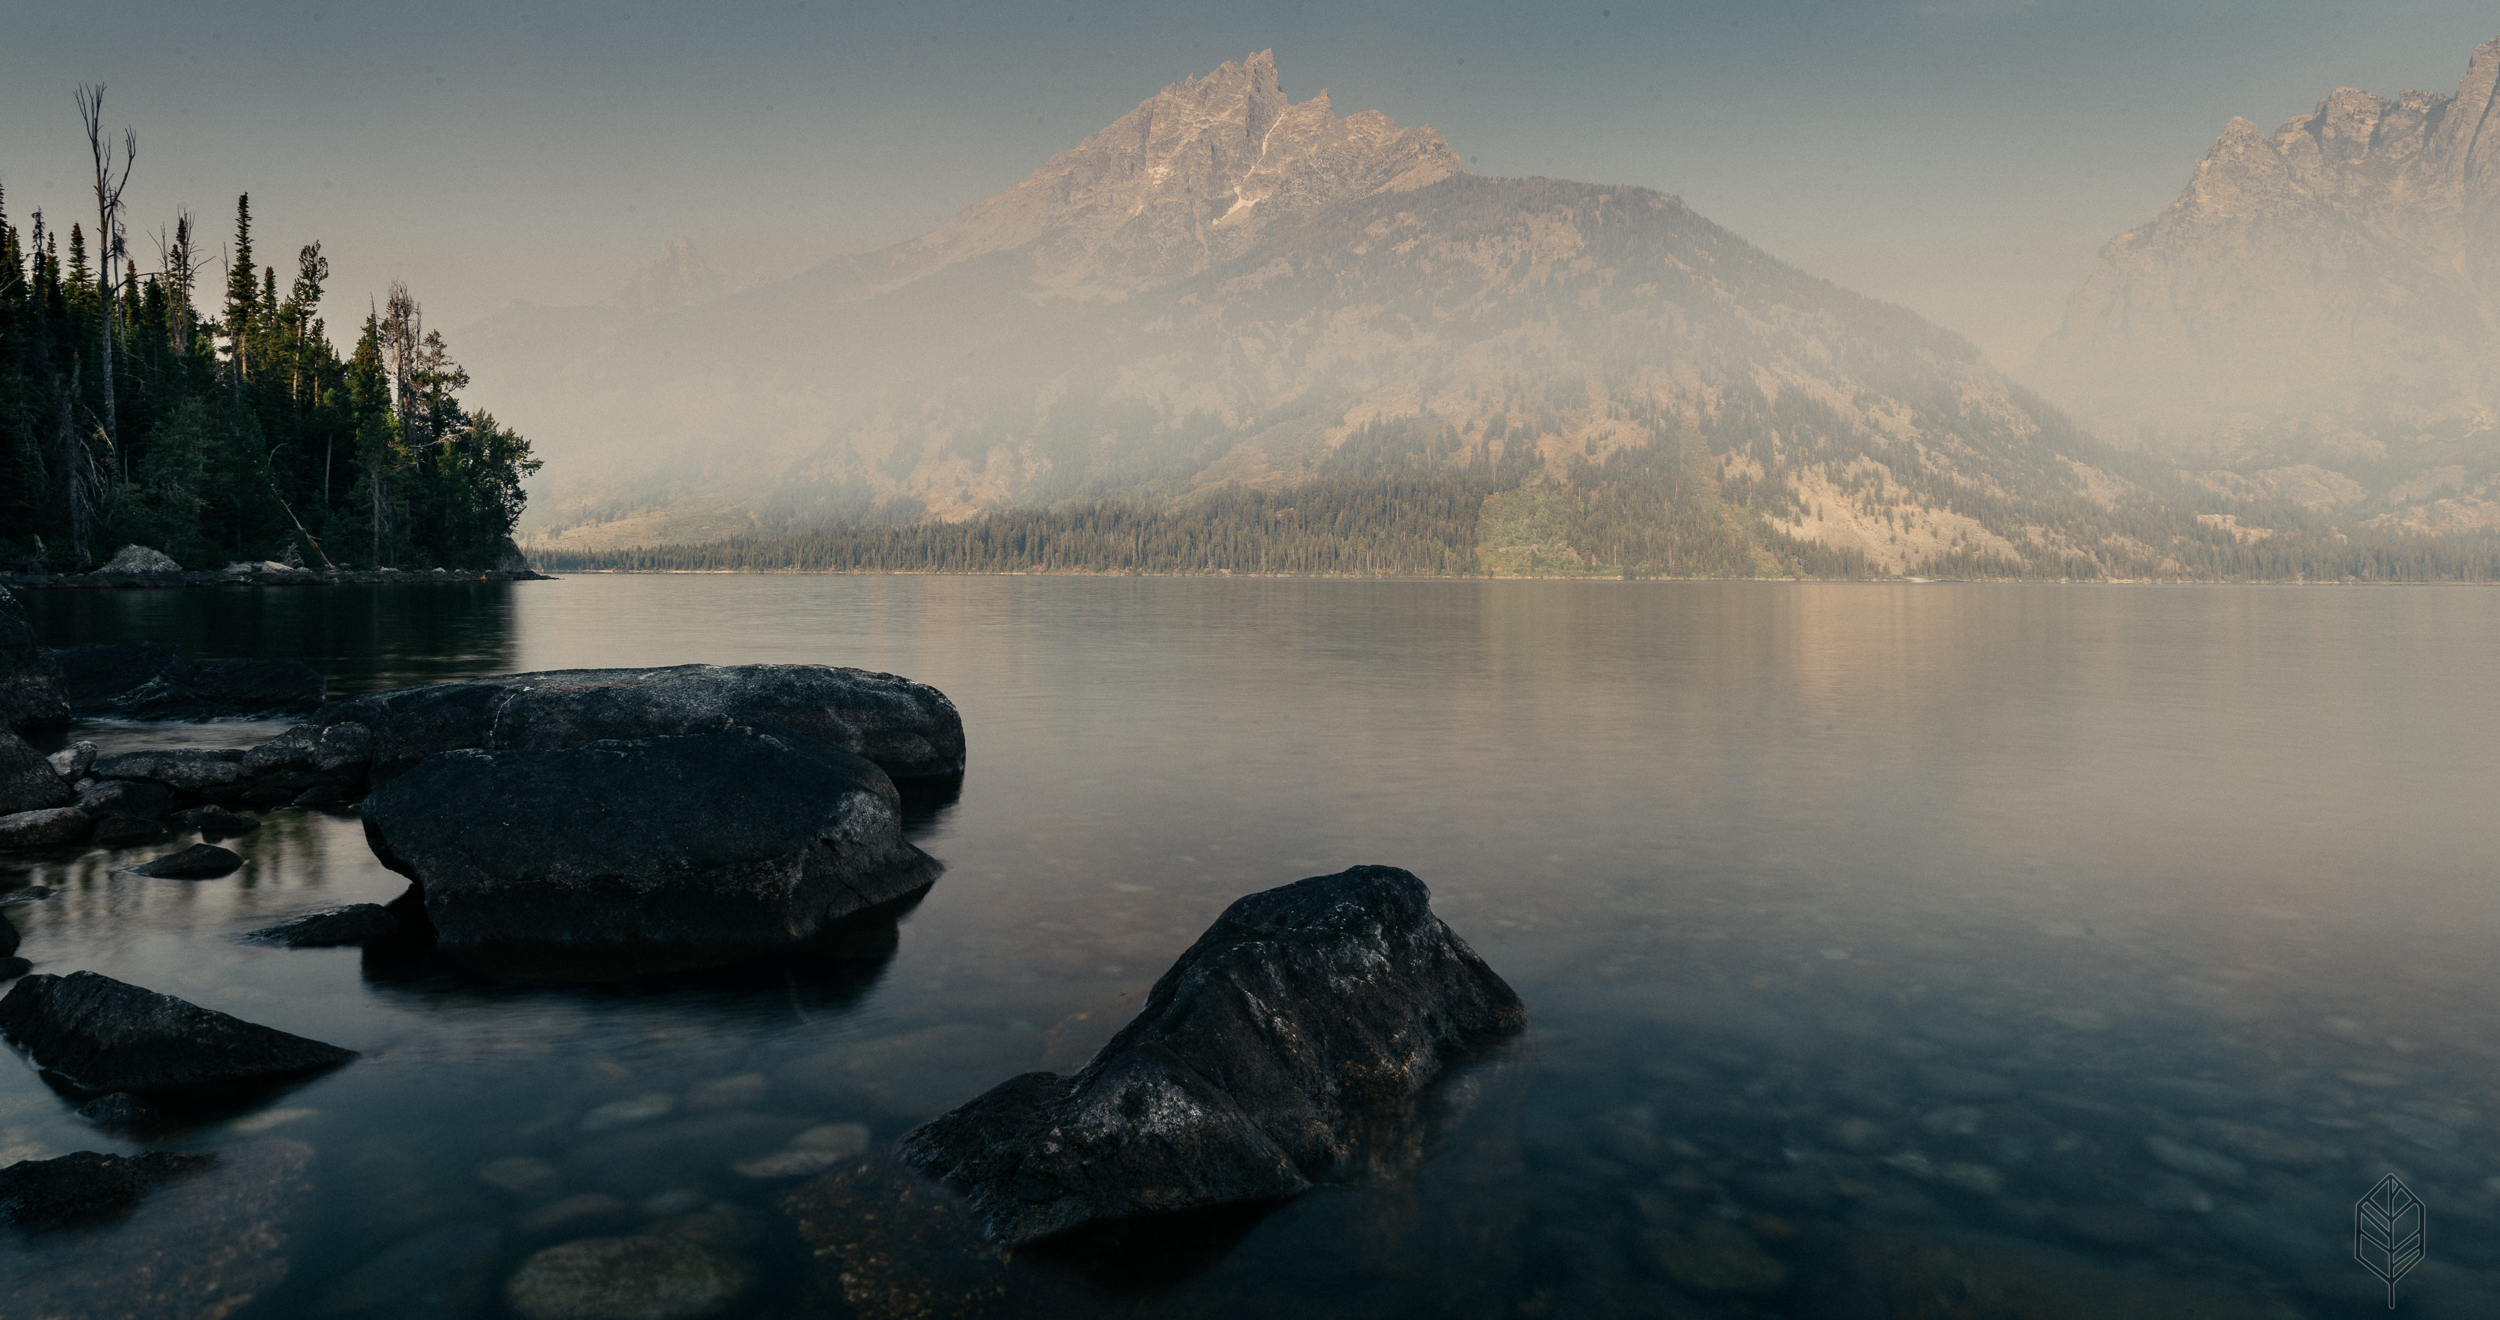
(2029, 950)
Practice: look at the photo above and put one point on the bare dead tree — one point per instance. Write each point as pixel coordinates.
(109, 244)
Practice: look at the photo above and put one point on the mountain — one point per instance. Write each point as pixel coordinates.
(1225, 291)
(679, 279)
(2316, 319)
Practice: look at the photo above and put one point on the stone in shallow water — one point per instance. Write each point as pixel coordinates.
(112, 1036)
(1922, 1278)
(1718, 1258)
(47, 828)
(45, 1195)
(1324, 1006)
(728, 1093)
(519, 1173)
(357, 923)
(215, 822)
(203, 1246)
(586, 1212)
(624, 1278)
(2195, 1161)
(200, 861)
(123, 831)
(618, 1113)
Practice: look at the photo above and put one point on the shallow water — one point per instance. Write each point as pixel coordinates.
(1890, 950)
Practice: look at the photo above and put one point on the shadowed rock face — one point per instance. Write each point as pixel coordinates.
(27, 780)
(719, 838)
(107, 1035)
(145, 680)
(30, 676)
(1287, 1045)
(910, 730)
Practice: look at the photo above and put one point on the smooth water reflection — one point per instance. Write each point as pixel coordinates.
(1891, 950)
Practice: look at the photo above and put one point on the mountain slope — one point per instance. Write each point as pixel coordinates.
(2317, 318)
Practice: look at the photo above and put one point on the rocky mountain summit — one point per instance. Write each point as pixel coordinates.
(2318, 314)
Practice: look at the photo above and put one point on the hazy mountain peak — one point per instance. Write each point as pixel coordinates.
(680, 278)
(1177, 183)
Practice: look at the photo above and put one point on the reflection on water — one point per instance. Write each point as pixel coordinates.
(1890, 950)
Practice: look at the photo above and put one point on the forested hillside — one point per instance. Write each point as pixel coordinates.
(150, 406)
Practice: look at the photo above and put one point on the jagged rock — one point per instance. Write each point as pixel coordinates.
(108, 1035)
(31, 696)
(46, 828)
(73, 762)
(724, 838)
(119, 831)
(140, 559)
(191, 770)
(359, 923)
(1287, 1042)
(910, 730)
(27, 782)
(147, 680)
(44, 1195)
(214, 822)
(199, 1247)
(125, 797)
(625, 1278)
(2318, 311)
(200, 861)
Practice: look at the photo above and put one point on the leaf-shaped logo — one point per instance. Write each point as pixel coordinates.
(2387, 1232)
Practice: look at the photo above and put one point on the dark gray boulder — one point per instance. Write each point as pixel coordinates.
(107, 1035)
(125, 831)
(31, 695)
(200, 861)
(48, 828)
(910, 730)
(215, 822)
(27, 780)
(710, 839)
(45, 1195)
(358, 923)
(125, 797)
(119, 1111)
(1283, 1048)
(146, 680)
(191, 772)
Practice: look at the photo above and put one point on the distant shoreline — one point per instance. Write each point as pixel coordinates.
(1518, 577)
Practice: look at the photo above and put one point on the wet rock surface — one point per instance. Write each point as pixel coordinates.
(357, 923)
(150, 681)
(44, 1195)
(715, 839)
(47, 828)
(27, 780)
(910, 730)
(107, 1035)
(1281, 1050)
(442, 1275)
(200, 861)
(644, 1277)
(195, 1248)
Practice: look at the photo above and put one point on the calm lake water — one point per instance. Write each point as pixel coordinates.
(1890, 950)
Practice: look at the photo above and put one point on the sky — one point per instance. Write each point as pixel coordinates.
(1965, 158)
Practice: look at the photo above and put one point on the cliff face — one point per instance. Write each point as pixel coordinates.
(2319, 307)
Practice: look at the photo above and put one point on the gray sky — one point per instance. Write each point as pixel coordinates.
(1963, 157)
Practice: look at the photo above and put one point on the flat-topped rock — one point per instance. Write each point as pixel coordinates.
(910, 730)
(1285, 1046)
(108, 1035)
(47, 828)
(710, 839)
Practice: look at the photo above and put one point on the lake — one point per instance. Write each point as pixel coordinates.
(1889, 950)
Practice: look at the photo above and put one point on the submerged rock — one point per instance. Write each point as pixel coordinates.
(625, 1278)
(148, 680)
(31, 697)
(444, 1275)
(43, 1195)
(49, 827)
(1285, 1046)
(910, 730)
(27, 780)
(215, 822)
(120, 1110)
(722, 838)
(198, 771)
(107, 1035)
(357, 923)
(207, 1245)
(200, 861)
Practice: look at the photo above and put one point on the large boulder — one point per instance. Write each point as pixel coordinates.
(910, 730)
(190, 772)
(107, 1035)
(47, 1195)
(710, 839)
(27, 779)
(140, 559)
(1283, 1049)
(48, 828)
(148, 680)
(31, 695)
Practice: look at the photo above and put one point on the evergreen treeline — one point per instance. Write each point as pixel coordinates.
(131, 413)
